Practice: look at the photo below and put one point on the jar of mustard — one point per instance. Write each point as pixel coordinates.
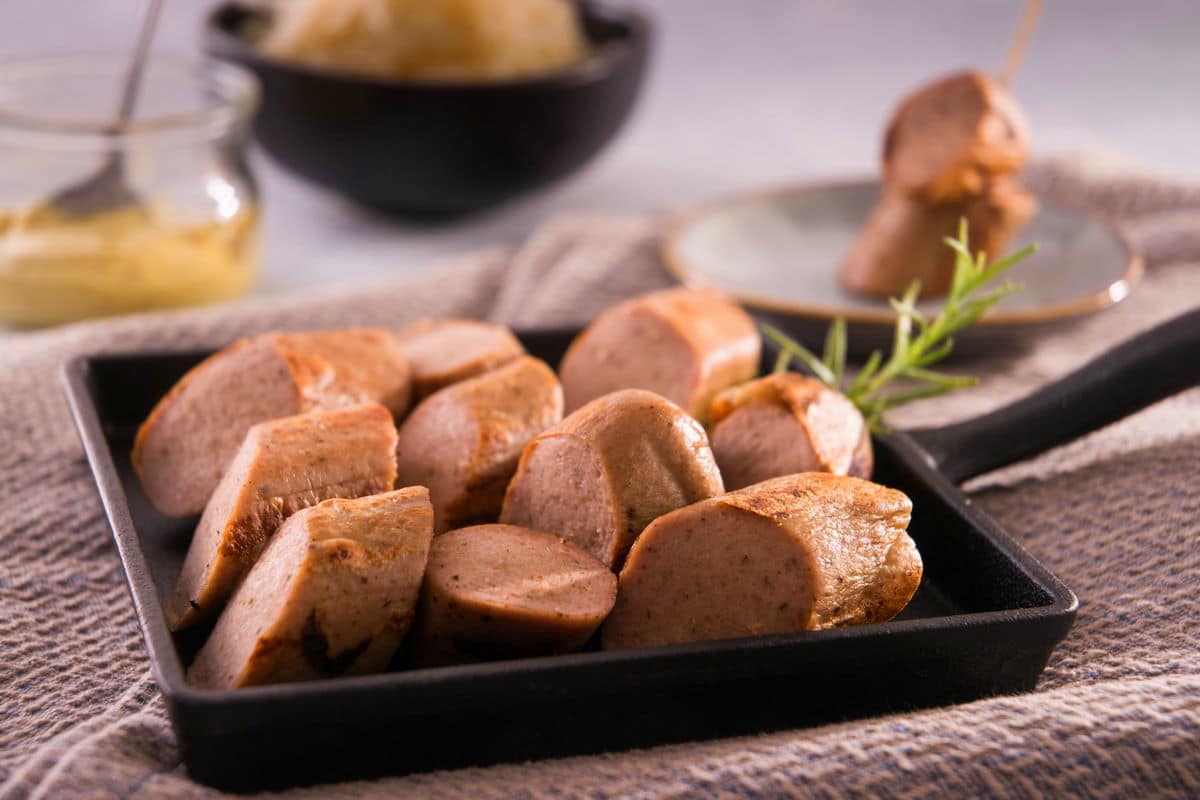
(190, 238)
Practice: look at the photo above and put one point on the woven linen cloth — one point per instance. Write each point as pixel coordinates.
(1116, 714)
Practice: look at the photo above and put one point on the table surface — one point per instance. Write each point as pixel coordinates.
(741, 93)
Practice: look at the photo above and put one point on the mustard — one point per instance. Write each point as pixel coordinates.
(55, 268)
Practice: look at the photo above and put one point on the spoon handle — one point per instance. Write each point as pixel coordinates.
(133, 77)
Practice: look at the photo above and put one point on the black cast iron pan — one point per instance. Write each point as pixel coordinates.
(983, 622)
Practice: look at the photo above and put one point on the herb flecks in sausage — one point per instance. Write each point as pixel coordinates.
(814, 551)
(495, 591)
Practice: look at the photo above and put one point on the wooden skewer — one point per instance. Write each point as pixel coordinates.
(1020, 41)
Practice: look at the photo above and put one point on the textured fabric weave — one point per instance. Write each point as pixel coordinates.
(1117, 713)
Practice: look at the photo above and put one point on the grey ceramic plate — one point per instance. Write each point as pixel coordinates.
(778, 253)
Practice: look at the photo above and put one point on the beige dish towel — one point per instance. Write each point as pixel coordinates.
(1117, 713)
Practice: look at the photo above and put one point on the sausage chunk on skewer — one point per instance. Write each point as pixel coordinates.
(947, 140)
(904, 238)
(951, 152)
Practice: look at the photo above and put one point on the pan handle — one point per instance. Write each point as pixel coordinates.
(1149, 367)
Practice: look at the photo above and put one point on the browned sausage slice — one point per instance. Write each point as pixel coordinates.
(185, 445)
(463, 442)
(903, 240)
(369, 361)
(603, 473)
(948, 139)
(684, 344)
(786, 423)
(800, 552)
(282, 466)
(444, 351)
(333, 594)
(500, 591)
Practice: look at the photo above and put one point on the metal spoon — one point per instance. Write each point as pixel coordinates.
(108, 188)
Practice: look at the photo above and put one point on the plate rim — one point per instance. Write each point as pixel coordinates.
(676, 265)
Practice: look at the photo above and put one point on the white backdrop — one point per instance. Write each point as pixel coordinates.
(741, 92)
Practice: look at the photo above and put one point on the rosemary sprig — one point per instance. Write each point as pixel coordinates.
(918, 341)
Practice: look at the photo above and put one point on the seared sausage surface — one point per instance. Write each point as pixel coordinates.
(603, 473)
(463, 442)
(368, 363)
(496, 591)
(947, 140)
(800, 552)
(333, 594)
(188, 440)
(786, 423)
(282, 466)
(445, 351)
(904, 238)
(684, 344)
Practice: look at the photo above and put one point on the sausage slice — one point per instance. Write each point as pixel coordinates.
(444, 351)
(333, 594)
(684, 344)
(948, 139)
(185, 445)
(494, 591)
(786, 423)
(796, 553)
(282, 466)
(463, 442)
(370, 362)
(903, 239)
(603, 473)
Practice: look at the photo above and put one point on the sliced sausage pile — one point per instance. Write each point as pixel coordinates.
(343, 534)
(950, 152)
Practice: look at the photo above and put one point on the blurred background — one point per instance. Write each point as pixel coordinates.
(738, 94)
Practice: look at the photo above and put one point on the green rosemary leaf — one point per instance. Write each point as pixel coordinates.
(941, 378)
(800, 353)
(939, 352)
(903, 337)
(979, 306)
(835, 349)
(996, 267)
(865, 374)
(890, 401)
(782, 361)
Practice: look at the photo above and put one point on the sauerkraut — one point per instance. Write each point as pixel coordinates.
(448, 40)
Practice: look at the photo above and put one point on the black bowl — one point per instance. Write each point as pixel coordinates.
(436, 148)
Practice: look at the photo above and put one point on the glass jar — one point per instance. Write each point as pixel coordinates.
(191, 238)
